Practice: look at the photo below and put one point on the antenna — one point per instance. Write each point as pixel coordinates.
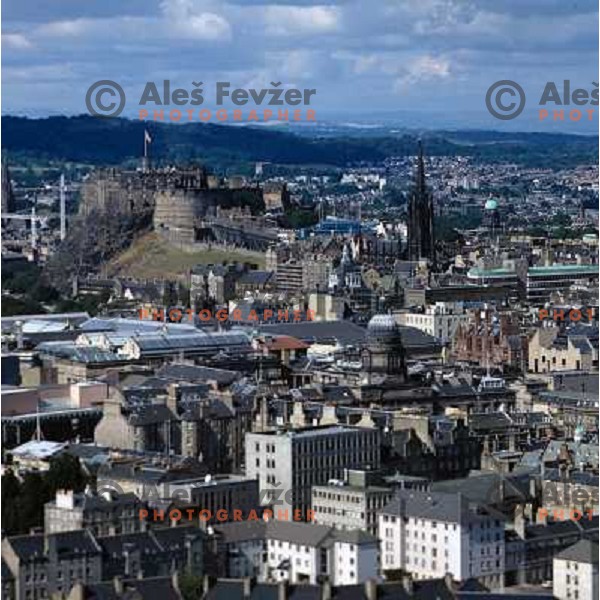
(33, 229)
(63, 216)
(38, 425)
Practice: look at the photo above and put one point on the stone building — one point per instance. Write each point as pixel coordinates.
(46, 565)
(573, 348)
(186, 421)
(384, 351)
(421, 240)
(214, 284)
(491, 339)
(288, 463)
(351, 502)
(70, 511)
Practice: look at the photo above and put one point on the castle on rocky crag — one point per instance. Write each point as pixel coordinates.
(188, 205)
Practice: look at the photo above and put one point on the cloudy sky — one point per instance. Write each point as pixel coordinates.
(365, 57)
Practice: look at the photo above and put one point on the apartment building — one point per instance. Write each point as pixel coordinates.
(575, 572)
(287, 463)
(351, 503)
(429, 534)
(297, 553)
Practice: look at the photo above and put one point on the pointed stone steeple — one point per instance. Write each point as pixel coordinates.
(421, 241)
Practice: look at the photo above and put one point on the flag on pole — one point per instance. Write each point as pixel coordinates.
(147, 140)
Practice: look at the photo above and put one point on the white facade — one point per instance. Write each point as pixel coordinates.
(353, 563)
(431, 534)
(440, 320)
(288, 463)
(349, 507)
(575, 572)
(342, 560)
(293, 562)
(298, 553)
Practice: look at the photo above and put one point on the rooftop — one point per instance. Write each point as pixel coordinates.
(584, 551)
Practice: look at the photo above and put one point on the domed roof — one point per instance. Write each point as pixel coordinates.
(491, 204)
(383, 328)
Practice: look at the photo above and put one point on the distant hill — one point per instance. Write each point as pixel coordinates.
(94, 141)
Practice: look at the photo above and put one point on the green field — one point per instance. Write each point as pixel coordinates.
(151, 257)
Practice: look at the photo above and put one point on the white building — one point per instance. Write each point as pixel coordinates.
(288, 463)
(431, 534)
(351, 503)
(440, 320)
(298, 553)
(575, 572)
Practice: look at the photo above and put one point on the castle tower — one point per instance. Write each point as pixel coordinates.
(421, 241)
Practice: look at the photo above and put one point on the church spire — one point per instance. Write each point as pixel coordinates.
(421, 242)
(420, 168)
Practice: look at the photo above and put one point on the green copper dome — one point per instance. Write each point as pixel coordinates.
(491, 204)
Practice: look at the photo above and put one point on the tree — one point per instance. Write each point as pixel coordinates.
(17, 306)
(190, 586)
(65, 474)
(30, 502)
(11, 489)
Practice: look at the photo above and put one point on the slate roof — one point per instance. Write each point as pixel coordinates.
(142, 541)
(435, 506)
(496, 420)
(29, 547)
(304, 534)
(344, 332)
(150, 414)
(256, 277)
(160, 343)
(148, 588)
(172, 538)
(354, 536)
(243, 531)
(194, 373)
(485, 487)
(584, 551)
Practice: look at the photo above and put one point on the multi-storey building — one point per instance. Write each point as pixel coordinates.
(42, 566)
(297, 553)
(288, 463)
(575, 572)
(492, 339)
(429, 534)
(440, 320)
(351, 503)
(103, 516)
(573, 348)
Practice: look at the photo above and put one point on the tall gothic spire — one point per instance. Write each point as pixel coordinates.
(420, 178)
(421, 243)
